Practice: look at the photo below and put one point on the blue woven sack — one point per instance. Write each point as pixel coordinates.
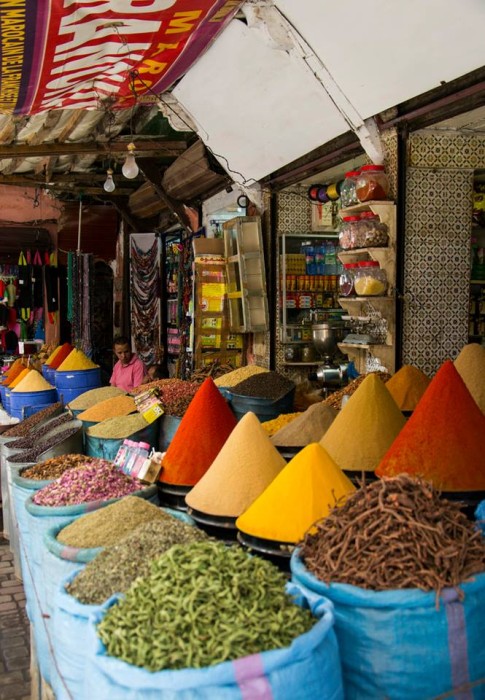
(398, 644)
(309, 669)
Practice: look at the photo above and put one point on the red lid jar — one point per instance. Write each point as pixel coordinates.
(372, 183)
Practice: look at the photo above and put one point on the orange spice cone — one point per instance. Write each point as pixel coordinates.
(443, 440)
(407, 387)
(204, 429)
(301, 494)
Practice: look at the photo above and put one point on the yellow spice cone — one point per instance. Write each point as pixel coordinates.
(245, 466)
(302, 493)
(365, 428)
(470, 365)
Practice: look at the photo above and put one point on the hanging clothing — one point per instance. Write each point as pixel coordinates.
(37, 282)
(11, 292)
(24, 300)
(51, 274)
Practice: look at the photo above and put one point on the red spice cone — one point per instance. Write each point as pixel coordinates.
(443, 440)
(200, 436)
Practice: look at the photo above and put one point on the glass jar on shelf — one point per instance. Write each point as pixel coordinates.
(348, 195)
(346, 280)
(370, 279)
(349, 234)
(373, 233)
(372, 183)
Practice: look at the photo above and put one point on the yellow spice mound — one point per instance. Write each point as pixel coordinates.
(110, 408)
(76, 360)
(238, 375)
(302, 493)
(365, 428)
(470, 365)
(272, 426)
(407, 387)
(15, 382)
(93, 396)
(33, 381)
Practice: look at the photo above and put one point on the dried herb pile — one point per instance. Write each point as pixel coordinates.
(106, 526)
(203, 604)
(175, 394)
(117, 567)
(56, 466)
(93, 483)
(30, 441)
(44, 444)
(395, 533)
(266, 385)
(25, 426)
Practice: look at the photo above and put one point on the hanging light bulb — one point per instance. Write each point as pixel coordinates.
(130, 168)
(109, 183)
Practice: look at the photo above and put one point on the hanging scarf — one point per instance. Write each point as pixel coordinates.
(145, 299)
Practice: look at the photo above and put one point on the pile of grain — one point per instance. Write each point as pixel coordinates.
(94, 396)
(230, 379)
(308, 427)
(109, 525)
(119, 427)
(110, 408)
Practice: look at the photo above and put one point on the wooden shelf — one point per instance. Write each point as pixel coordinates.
(303, 364)
(362, 346)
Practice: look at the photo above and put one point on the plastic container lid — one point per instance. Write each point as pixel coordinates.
(351, 218)
(368, 263)
(366, 168)
(145, 445)
(369, 215)
(352, 173)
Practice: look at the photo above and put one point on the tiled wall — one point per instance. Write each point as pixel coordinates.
(437, 245)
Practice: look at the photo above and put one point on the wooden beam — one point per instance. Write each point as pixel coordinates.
(152, 174)
(143, 147)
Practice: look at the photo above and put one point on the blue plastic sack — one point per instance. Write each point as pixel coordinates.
(70, 617)
(480, 516)
(309, 669)
(396, 644)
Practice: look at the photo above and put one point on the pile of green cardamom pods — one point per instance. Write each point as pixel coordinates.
(203, 603)
(115, 568)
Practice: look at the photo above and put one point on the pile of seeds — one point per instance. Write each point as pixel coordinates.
(119, 427)
(117, 567)
(231, 379)
(94, 396)
(175, 394)
(25, 426)
(43, 445)
(28, 442)
(335, 399)
(204, 603)
(108, 525)
(56, 466)
(266, 385)
(92, 483)
(395, 533)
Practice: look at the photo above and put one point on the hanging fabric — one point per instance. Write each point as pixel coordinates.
(25, 288)
(51, 275)
(37, 285)
(145, 294)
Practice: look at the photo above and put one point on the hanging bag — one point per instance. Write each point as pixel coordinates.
(24, 300)
(51, 275)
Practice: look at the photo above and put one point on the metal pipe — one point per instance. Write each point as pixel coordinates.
(273, 279)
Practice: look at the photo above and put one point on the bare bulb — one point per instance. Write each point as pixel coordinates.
(109, 183)
(130, 168)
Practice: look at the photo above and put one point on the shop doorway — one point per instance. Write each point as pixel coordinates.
(476, 331)
(102, 318)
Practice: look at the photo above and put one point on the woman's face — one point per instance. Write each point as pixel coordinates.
(123, 353)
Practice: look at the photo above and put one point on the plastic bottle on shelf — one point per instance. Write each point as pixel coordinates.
(330, 259)
(320, 260)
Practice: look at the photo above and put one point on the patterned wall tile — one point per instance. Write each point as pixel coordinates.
(436, 263)
(446, 149)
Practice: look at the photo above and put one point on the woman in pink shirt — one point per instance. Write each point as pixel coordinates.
(129, 371)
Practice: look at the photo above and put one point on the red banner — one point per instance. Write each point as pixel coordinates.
(86, 54)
